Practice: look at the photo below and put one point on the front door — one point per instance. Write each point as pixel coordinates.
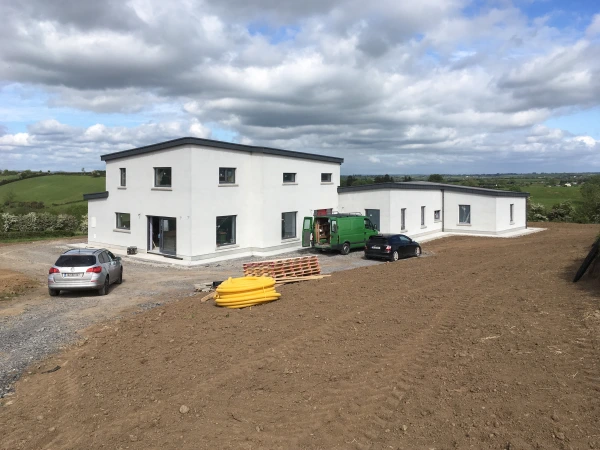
(168, 235)
(373, 214)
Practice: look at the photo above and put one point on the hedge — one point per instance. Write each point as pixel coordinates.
(7, 236)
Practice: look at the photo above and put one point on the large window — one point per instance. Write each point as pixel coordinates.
(226, 175)
(162, 176)
(325, 178)
(422, 216)
(225, 230)
(288, 225)
(437, 215)
(512, 213)
(123, 177)
(123, 221)
(289, 177)
(464, 214)
(403, 219)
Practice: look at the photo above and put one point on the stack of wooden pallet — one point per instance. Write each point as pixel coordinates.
(281, 269)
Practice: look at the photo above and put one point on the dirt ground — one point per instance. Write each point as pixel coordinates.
(486, 345)
(14, 283)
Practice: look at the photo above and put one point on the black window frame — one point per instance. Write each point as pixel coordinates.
(156, 169)
(117, 221)
(293, 180)
(234, 233)
(283, 236)
(326, 177)
(223, 176)
(123, 177)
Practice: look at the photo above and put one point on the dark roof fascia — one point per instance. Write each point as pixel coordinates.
(434, 187)
(95, 195)
(218, 144)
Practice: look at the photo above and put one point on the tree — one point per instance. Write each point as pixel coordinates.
(9, 197)
(562, 212)
(537, 213)
(349, 180)
(83, 170)
(589, 211)
(470, 182)
(435, 178)
(407, 178)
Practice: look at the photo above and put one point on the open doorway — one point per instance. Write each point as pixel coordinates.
(162, 235)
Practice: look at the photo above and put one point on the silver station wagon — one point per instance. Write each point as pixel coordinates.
(81, 269)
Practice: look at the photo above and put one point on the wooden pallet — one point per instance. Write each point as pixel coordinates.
(284, 268)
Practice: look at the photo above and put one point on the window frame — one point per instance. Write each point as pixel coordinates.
(117, 216)
(293, 181)
(170, 185)
(234, 233)
(328, 177)
(469, 215)
(122, 177)
(295, 236)
(224, 180)
(438, 213)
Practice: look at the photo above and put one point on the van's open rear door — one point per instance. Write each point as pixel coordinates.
(307, 229)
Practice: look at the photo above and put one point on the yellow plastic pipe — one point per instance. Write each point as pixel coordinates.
(246, 291)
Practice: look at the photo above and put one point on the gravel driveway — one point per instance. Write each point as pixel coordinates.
(35, 325)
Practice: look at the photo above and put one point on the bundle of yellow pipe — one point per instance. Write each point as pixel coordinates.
(246, 291)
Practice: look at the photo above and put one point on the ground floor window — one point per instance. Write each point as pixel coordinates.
(464, 214)
(437, 215)
(422, 216)
(123, 221)
(512, 212)
(288, 225)
(403, 219)
(225, 230)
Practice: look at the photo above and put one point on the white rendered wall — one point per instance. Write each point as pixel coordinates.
(503, 213)
(359, 201)
(140, 199)
(413, 200)
(483, 213)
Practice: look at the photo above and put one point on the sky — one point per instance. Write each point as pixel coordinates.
(392, 86)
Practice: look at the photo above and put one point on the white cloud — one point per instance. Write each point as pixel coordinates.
(594, 27)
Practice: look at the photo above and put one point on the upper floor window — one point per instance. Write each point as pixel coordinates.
(325, 178)
(289, 177)
(226, 175)
(162, 176)
(123, 177)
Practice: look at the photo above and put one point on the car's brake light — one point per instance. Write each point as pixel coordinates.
(388, 248)
(53, 270)
(95, 269)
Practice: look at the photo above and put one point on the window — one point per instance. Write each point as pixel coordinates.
(325, 178)
(403, 219)
(288, 225)
(422, 216)
(123, 177)
(75, 261)
(289, 177)
(225, 230)
(464, 214)
(102, 258)
(123, 221)
(162, 177)
(226, 175)
(437, 215)
(512, 213)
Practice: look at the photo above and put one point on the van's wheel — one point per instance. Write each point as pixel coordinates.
(120, 279)
(345, 248)
(53, 292)
(395, 256)
(418, 251)
(104, 289)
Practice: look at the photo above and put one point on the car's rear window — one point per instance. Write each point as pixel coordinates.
(378, 240)
(76, 261)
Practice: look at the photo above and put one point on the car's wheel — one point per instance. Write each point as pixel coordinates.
(345, 248)
(104, 289)
(120, 279)
(417, 251)
(53, 292)
(395, 256)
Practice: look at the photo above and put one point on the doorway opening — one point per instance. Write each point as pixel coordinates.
(162, 235)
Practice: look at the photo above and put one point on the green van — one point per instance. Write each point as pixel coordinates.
(337, 232)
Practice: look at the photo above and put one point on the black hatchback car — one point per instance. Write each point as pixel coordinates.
(391, 246)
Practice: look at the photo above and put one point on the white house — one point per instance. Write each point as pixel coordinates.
(198, 199)
(421, 208)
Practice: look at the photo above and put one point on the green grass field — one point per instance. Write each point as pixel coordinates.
(549, 196)
(53, 188)
(8, 177)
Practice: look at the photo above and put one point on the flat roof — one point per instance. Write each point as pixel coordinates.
(218, 144)
(426, 185)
